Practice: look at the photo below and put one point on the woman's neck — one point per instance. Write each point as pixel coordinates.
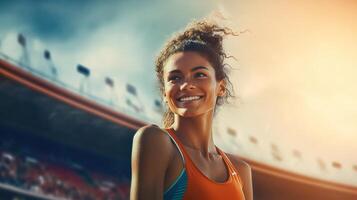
(196, 133)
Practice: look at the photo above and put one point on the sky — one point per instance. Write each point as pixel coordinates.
(296, 83)
(294, 72)
(119, 39)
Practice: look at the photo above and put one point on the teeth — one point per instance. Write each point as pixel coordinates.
(189, 98)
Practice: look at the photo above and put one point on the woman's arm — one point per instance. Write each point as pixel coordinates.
(245, 173)
(151, 154)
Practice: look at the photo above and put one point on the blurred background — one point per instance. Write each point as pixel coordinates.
(77, 80)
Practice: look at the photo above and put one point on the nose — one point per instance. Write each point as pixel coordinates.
(187, 85)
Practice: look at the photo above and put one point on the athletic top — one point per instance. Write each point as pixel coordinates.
(192, 184)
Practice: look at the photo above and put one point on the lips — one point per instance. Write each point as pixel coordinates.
(186, 98)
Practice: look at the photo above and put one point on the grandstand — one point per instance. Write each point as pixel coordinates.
(62, 137)
(59, 144)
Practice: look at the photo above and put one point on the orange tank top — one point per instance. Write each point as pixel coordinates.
(199, 186)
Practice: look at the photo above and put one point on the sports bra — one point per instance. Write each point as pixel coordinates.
(192, 184)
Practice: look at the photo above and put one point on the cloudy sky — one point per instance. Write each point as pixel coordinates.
(119, 39)
(294, 75)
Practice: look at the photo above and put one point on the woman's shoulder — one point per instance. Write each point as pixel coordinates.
(238, 162)
(151, 133)
(241, 165)
(152, 137)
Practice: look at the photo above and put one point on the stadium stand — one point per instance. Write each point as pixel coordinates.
(34, 172)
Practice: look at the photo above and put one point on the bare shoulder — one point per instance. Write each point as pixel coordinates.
(238, 162)
(151, 134)
(151, 141)
(245, 173)
(151, 154)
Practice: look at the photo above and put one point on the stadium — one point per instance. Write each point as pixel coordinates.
(61, 141)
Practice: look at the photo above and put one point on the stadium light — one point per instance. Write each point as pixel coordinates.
(157, 103)
(47, 56)
(336, 165)
(83, 84)
(231, 131)
(24, 59)
(21, 40)
(158, 106)
(109, 82)
(132, 90)
(253, 140)
(83, 70)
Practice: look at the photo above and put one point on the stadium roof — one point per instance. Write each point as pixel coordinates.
(43, 109)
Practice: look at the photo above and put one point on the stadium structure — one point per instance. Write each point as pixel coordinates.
(57, 143)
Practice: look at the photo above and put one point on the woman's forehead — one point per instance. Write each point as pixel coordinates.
(185, 61)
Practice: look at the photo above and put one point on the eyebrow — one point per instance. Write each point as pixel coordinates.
(193, 69)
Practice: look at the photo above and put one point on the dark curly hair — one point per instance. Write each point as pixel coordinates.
(205, 38)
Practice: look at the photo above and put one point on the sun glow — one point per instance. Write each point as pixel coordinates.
(296, 76)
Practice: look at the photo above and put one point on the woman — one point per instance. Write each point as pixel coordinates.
(181, 160)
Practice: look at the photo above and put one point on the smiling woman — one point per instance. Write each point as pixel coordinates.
(193, 82)
(190, 84)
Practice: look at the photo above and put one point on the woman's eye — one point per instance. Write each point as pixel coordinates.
(199, 74)
(173, 78)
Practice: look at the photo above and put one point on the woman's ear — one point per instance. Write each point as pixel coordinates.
(222, 88)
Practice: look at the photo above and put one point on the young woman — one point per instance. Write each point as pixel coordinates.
(181, 161)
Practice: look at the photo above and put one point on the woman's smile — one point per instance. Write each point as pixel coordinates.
(187, 98)
(190, 100)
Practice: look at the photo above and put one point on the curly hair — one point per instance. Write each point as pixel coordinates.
(205, 38)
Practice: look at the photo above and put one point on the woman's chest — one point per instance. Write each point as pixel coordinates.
(214, 170)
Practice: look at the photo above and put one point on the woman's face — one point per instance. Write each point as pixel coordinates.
(190, 86)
